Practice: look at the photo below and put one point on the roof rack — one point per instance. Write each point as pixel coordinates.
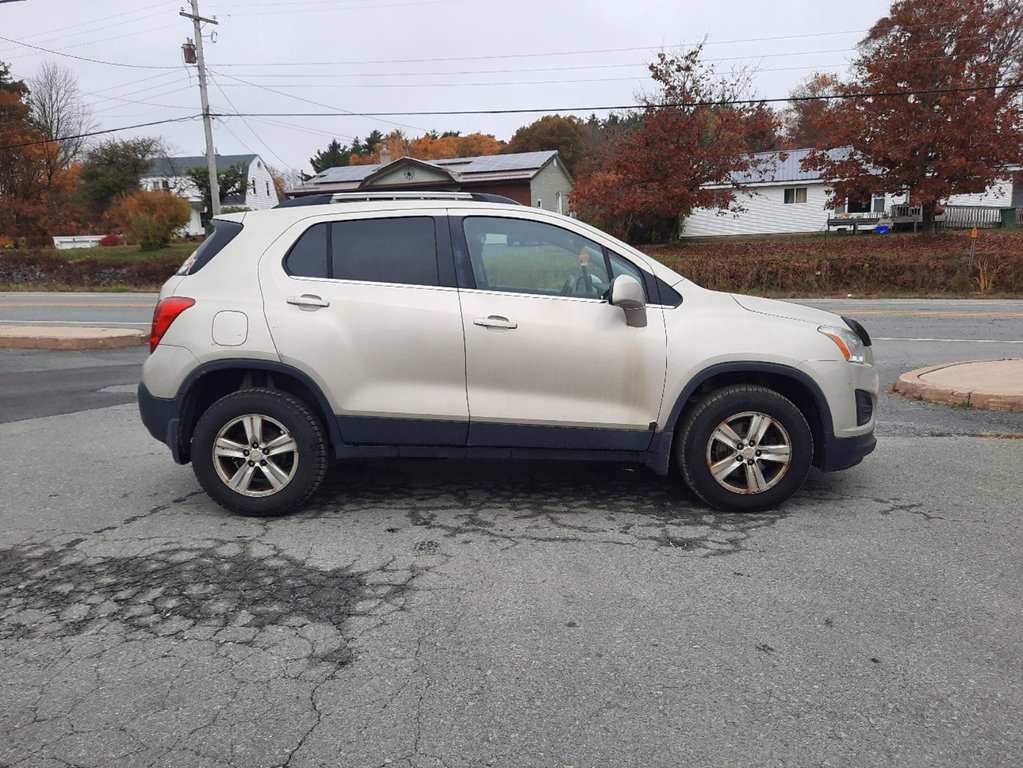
(356, 197)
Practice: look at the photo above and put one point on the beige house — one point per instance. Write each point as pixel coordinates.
(537, 179)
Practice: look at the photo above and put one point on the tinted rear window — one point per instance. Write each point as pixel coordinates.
(397, 250)
(223, 233)
(308, 256)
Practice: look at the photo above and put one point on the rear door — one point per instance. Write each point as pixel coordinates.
(368, 308)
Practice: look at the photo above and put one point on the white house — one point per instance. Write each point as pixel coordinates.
(168, 173)
(785, 199)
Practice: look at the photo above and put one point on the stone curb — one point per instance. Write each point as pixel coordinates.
(68, 338)
(912, 385)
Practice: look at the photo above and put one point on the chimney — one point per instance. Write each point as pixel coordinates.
(385, 155)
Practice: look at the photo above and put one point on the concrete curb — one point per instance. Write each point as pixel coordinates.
(995, 385)
(71, 338)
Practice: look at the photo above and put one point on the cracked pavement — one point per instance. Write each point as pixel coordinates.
(440, 614)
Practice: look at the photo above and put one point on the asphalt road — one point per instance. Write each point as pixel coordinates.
(116, 310)
(435, 614)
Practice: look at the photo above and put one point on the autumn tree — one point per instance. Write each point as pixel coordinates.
(114, 168)
(806, 121)
(567, 135)
(283, 181)
(431, 146)
(152, 218)
(479, 145)
(695, 132)
(933, 107)
(29, 197)
(60, 114)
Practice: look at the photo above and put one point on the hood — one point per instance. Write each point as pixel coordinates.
(787, 310)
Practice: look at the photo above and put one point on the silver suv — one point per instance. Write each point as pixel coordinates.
(457, 325)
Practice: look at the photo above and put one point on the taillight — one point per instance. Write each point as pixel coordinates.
(166, 312)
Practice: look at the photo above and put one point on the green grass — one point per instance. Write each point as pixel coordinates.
(123, 253)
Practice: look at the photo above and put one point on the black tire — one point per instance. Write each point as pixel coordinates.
(750, 479)
(269, 484)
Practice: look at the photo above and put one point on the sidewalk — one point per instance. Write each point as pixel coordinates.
(68, 337)
(995, 385)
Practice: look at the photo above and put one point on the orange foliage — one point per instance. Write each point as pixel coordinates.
(432, 147)
(645, 178)
(34, 201)
(151, 217)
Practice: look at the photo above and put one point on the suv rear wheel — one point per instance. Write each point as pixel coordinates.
(744, 449)
(259, 452)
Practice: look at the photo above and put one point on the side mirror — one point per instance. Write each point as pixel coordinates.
(627, 293)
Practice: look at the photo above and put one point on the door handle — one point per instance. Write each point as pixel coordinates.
(495, 321)
(307, 301)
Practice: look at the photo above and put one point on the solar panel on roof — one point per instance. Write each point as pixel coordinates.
(344, 173)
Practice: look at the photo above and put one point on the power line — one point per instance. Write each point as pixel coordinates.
(290, 10)
(589, 52)
(251, 130)
(134, 82)
(519, 70)
(99, 20)
(149, 103)
(91, 31)
(624, 107)
(84, 58)
(99, 133)
(307, 101)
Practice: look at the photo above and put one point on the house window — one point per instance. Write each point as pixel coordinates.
(268, 189)
(878, 204)
(253, 186)
(795, 195)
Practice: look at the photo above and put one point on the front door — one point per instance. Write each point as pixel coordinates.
(549, 362)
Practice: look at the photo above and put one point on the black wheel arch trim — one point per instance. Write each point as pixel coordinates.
(167, 419)
(828, 441)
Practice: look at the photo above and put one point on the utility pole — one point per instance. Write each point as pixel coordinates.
(211, 158)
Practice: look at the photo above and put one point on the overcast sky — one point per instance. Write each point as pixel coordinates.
(409, 56)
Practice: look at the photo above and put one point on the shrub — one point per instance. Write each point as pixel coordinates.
(111, 239)
(151, 217)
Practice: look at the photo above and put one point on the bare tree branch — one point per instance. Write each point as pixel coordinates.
(58, 111)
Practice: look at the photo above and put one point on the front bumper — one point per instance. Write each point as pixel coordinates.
(844, 452)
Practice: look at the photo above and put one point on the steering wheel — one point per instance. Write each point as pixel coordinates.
(580, 284)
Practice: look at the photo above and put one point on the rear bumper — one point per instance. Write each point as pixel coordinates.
(162, 417)
(844, 452)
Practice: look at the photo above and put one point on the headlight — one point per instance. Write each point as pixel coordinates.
(849, 343)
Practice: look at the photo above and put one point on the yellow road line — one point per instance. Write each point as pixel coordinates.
(58, 306)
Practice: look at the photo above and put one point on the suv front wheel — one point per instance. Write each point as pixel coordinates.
(744, 448)
(259, 452)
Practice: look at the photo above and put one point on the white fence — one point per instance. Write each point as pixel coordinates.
(76, 241)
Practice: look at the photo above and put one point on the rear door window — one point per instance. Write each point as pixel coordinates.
(394, 250)
(308, 256)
